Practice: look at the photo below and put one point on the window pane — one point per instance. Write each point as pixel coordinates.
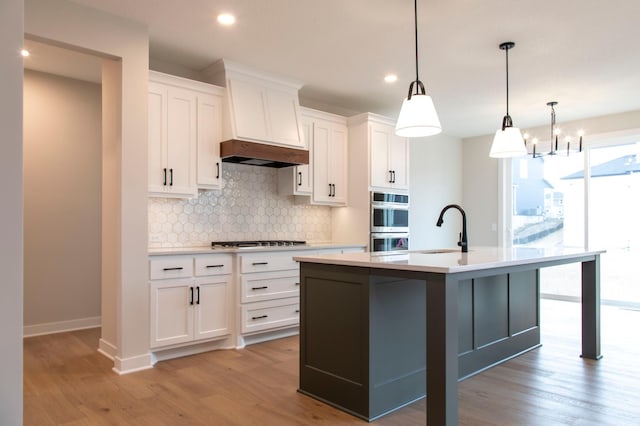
(614, 206)
(548, 201)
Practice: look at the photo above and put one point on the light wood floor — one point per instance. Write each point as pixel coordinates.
(66, 382)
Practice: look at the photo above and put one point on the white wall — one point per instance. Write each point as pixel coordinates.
(124, 46)
(11, 18)
(481, 176)
(62, 190)
(435, 181)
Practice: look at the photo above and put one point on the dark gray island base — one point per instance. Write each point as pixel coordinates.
(366, 348)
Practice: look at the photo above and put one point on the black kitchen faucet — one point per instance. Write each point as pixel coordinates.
(463, 242)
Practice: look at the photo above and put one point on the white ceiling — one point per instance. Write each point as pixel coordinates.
(581, 53)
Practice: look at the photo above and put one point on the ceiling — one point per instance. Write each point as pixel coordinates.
(581, 53)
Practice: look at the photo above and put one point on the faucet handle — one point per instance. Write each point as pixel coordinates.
(460, 239)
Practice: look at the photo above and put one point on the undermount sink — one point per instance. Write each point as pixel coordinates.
(438, 251)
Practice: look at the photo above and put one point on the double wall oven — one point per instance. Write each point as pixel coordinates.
(389, 221)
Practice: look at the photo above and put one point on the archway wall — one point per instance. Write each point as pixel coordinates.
(125, 47)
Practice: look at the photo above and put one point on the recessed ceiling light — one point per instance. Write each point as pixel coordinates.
(24, 52)
(226, 19)
(390, 78)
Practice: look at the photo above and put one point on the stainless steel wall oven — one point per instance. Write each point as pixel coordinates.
(389, 221)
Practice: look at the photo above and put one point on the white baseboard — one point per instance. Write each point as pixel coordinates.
(252, 339)
(107, 349)
(61, 326)
(132, 364)
(163, 354)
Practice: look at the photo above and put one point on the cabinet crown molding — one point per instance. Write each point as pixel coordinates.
(216, 72)
(370, 117)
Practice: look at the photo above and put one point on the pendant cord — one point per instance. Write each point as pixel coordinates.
(506, 51)
(415, 15)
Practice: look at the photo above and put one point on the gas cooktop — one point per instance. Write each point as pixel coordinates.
(260, 243)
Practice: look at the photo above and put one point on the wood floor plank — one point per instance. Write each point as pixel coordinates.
(67, 382)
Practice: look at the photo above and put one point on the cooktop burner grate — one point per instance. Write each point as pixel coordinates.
(259, 243)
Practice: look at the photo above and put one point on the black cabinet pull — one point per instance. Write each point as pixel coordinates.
(297, 311)
(215, 266)
(198, 292)
(217, 170)
(299, 178)
(191, 299)
(259, 317)
(170, 177)
(164, 180)
(259, 288)
(178, 268)
(260, 263)
(297, 283)
(390, 176)
(393, 174)
(329, 190)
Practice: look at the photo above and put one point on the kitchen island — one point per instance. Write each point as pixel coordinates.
(379, 330)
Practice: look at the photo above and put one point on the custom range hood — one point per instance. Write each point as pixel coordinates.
(261, 154)
(261, 117)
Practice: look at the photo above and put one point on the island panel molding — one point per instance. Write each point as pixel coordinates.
(495, 284)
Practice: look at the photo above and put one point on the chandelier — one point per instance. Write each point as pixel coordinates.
(556, 146)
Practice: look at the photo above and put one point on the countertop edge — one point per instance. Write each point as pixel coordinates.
(166, 251)
(398, 262)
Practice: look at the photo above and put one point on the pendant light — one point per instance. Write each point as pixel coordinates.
(508, 141)
(418, 115)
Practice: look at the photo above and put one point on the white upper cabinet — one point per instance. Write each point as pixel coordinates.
(329, 160)
(185, 119)
(172, 141)
(389, 157)
(209, 170)
(388, 154)
(297, 180)
(259, 107)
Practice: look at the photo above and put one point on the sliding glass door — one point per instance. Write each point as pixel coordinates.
(585, 199)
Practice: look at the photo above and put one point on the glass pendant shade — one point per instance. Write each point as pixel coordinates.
(418, 117)
(508, 143)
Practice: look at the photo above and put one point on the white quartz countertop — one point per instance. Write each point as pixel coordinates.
(451, 260)
(209, 250)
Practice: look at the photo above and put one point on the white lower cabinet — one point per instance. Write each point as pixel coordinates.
(196, 308)
(263, 316)
(269, 293)
(212, 301)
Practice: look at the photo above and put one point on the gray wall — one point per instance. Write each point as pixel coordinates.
(435, 181)
(62, 190)
(11, 22)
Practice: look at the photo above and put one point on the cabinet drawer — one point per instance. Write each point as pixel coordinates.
(263, 262)
(268, 315)
(270, 285)
(217, 264)
(170, 267)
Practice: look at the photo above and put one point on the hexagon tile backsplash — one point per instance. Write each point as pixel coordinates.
(247, 208)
